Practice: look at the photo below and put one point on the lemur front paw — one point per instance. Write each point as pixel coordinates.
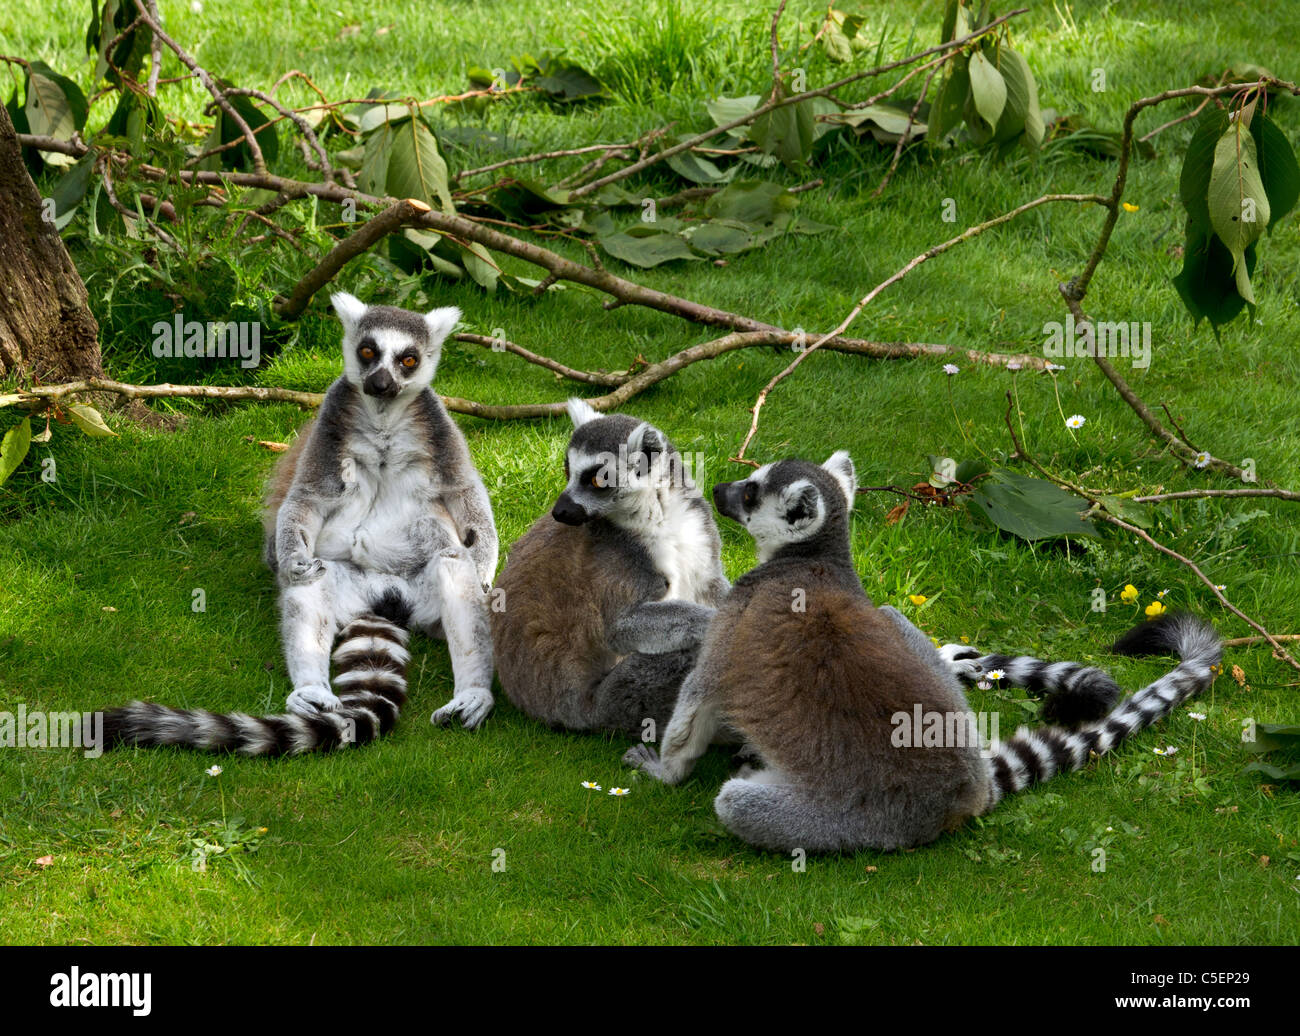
(644, 758)
(312, 700)
(300, 569)
(471, 707)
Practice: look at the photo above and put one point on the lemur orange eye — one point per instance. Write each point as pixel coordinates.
(409, 362)
(751, 495)
(366, 353)
(596, 481)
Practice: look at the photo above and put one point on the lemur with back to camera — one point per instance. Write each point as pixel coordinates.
(812, 689)
(604, 600)
(376, 522)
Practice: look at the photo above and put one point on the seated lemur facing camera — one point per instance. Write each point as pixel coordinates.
(811, 675)
(377, 522)
(602, 603)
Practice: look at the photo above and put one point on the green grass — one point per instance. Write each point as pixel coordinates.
(396, 842)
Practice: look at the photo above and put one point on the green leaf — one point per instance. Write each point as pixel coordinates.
(70, 188)
(478, 263)
(1021, 114)
(13, 448)
(722, 237)
(647, 249)
(1286, 772)
(416, 168)
(752, 202)
(1239, 208)
(728, 109)
(1278, 170)
(87, 418)
(1030, 508)
(1272, 737)
(225, 130)
(836, 44)
(567, 82)
(1198, 165)
(946, 111)
(1206, 283)
(699, 169)
(55, 107)
(787, 132)
(885, 122)
(988, 88)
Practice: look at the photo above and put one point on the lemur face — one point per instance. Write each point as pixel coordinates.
(790, 501)
(612, 464)
(391, 353)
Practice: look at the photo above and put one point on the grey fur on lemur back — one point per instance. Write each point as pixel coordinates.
(601, 605)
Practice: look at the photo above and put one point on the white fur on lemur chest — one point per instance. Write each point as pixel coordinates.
(681, 549)
(389, 517)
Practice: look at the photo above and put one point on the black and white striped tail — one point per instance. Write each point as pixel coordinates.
(369, 679)
(1033, 756)
(1072, 693)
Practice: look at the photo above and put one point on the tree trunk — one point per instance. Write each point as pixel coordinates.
(47, 331)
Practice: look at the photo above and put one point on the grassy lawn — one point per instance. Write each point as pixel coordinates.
(396, 843)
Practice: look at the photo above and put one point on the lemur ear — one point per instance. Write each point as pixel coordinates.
(800, 501)
(349, 308)
(647, 439)
(580, 411)
(440, 323)
(840, 465)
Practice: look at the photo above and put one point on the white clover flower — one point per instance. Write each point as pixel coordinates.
(1170, 750)
(1075, 421)
(1013, 366)
(1203, 459)
(983, 684)
(619, 791)
(950, 369)
(213, 771)
(591, 786)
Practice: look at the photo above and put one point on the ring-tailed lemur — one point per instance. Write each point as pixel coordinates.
(813, 677)
(376, 520)
(599, 611)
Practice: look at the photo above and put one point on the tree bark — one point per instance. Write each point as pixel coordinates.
(47, 331)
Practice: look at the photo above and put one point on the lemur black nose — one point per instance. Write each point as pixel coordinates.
(380, 383)
(568, 512)
(720, 494)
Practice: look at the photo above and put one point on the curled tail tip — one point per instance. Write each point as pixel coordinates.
(1178, 633)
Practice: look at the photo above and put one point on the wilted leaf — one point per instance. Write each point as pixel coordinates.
(1238, 206)
(1030, 507)
(87, 418)
(13, 448)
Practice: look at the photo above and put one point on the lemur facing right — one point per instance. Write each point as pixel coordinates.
(602, 604)
(809, 673)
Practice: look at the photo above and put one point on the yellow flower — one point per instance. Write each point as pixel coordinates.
(1153, 609)
(1129, 594)
(1130, 207)
(917, 599)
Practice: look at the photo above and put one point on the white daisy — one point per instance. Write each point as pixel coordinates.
(1198, 716)
(1203, 459)
(1013, 366)
(213, 771)
(619, 791)
(997, 674)
(1075, 421)
(950, 369)
(1054, 367)
(591, 786)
